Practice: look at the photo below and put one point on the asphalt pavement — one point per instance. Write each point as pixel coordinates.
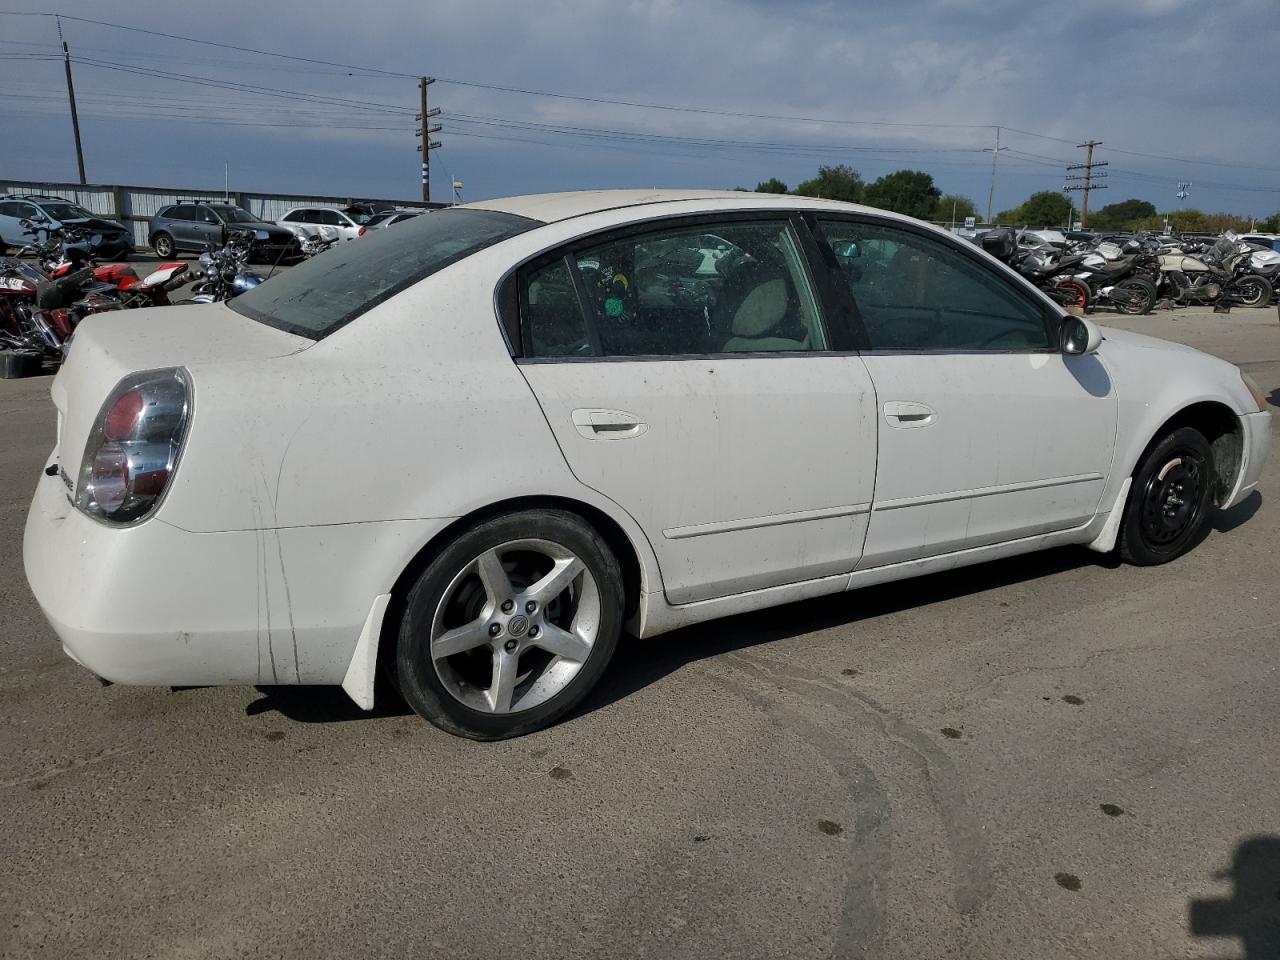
(1052, 756)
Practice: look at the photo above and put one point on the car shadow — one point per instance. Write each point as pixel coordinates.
(1224, 521)
(639, 663)
(324, 704)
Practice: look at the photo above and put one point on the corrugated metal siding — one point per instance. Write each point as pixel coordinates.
(137, 205)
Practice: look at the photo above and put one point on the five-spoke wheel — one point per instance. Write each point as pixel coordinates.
(510, 625)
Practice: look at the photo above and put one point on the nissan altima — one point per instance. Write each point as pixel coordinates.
(468, 454)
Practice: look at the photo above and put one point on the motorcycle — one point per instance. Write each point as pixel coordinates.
(1114, 280)
(1218, 277)
(224, 270)
(1037, 264)
(37, 315)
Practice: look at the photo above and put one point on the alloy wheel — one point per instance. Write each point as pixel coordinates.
(515, 625)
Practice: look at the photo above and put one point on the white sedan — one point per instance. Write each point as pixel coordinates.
(470, 452)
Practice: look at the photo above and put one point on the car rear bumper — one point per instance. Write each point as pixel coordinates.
(1253, 455)
(155, 604)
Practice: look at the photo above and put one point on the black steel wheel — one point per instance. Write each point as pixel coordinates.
(1169, 499)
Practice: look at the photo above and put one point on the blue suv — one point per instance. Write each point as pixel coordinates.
(53, 213)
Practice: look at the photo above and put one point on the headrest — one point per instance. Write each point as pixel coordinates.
(762, 310)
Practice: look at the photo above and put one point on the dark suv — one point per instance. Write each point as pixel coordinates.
(194, 224)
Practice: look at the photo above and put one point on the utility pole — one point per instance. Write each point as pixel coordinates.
(425, 131)
(995, 152)
(71, 95)
(1086, 182)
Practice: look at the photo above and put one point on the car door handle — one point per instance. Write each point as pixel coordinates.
(599, 424)
(906, 414)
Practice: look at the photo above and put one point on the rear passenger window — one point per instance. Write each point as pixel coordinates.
(736, 287)
(553, 325)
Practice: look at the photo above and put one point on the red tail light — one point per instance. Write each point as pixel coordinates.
(122, 416)
(360, 233)
(134, 445)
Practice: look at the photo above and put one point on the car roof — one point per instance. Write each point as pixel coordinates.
(34, 197)
(553, 207)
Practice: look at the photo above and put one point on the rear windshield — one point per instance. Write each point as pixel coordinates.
(320, 295)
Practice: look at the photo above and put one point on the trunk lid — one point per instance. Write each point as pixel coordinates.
(109, 346)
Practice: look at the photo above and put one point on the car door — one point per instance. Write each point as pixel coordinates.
(208, 227)
(180, 223)
(988, 432)
(17, 233)
(694, 382)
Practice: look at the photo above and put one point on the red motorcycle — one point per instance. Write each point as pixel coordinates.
(36, 313)
(134, 291)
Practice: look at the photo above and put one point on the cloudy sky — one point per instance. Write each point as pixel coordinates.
(1175, 89)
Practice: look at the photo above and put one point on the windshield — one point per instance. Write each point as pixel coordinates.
(361, 218)
(320, 295)
(234, 214)
(66, 211)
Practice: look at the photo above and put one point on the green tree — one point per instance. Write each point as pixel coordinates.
(1122, 215)
(952, 204)
(772, 185)
(834, 183)
(1047, 208)
(1271, 224)
(905, 191)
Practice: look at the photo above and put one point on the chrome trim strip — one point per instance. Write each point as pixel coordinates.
(773, 520)
(929, 498)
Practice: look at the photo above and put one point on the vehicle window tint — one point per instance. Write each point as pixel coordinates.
(178, 213)
(552, 321)
(917, 293)
(320, 295)
(737, 287)
(293, 216)
(206, 215)
(8, 209)
(330, 218)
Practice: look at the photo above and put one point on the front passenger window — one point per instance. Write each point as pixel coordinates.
(917, 293)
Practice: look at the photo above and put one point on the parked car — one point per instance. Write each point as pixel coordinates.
(194, 224)
(311, 221)
(380, 221)
(1267, 241)
(362, 210)
(50, 214)
(472, 450)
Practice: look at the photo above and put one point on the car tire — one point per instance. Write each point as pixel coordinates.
(510, 625)
(163, 245)
(1169, 500)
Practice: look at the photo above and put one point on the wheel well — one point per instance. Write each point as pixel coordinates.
(606, 526)
(1221, 427)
